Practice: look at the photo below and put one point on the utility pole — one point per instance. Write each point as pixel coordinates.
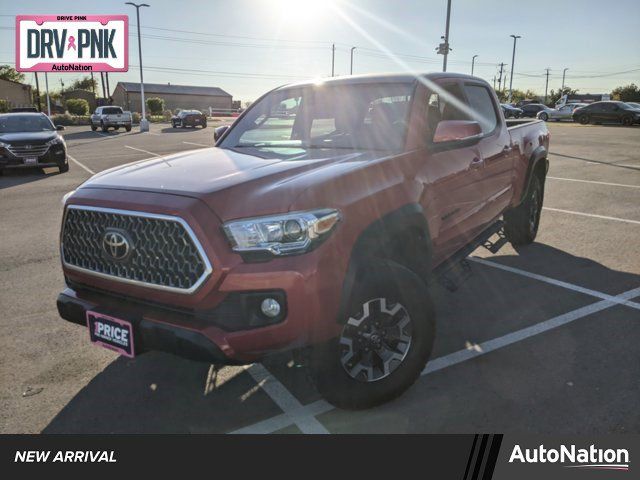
(500, 77)
(106, 76)
(103, 87)
(546, 87)
(144, 124)
(35, 74)
(513, 65)
(473, 62)
(333, 59)
(446, 38)
(351, 69)
(93, 84)
(46, 84)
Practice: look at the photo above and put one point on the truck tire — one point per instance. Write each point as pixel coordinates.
(128, 128)
(385, 343)
(93, 128)
(521, 223)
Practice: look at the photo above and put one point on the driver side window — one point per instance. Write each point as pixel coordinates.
(444, 106)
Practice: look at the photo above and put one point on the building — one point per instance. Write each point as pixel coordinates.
(90, 97)
(127, 95)
(15, 93)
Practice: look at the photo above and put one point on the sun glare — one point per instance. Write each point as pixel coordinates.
(300, 12)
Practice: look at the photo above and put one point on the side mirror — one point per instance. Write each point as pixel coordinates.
(218, 132)
(59, 127)
(452, 130)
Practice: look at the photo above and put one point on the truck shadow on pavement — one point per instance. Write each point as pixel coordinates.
(158, 393)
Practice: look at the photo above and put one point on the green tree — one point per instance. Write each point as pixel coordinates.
(7, 72)
(85, 83)
(626, 93)
(77, 106)
(4, 106)
(554, 95)
(155, 105)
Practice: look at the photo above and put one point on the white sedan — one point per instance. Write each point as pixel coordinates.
(558, 114)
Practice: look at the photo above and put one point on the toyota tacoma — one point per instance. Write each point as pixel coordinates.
(316, 224)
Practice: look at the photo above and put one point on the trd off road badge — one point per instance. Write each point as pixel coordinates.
(72, 43)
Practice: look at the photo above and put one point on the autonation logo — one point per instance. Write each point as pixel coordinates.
(588, 458)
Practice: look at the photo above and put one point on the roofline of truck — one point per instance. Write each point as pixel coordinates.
(373, 78)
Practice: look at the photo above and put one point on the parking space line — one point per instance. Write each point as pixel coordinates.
(285, 400)
(592, 215)
(595, 182)
(557, 283)
(283, 420)
(198, 144)
(80, 164)
(527, 332)
(143, 151)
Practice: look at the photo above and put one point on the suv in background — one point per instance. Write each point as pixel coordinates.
(601, 112)
(530, 110)
(189, 118)
(110, 116)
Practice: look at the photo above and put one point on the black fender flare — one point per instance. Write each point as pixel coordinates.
(538, 156)
(374, 238)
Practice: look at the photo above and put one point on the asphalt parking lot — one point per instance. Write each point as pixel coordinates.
(542, 340)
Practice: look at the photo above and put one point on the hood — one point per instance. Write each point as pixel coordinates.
(39, 137)
(228, 181)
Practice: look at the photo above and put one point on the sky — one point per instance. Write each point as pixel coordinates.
(248, 47)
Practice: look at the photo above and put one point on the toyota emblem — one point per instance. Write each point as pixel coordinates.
(116, 245)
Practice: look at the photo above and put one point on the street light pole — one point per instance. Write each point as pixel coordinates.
(473, 62)
(144, 124)
(351, 69)
(333, 59)
(513, 61)
(563, 74)
(446, 37)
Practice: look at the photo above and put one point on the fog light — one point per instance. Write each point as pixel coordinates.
(270, 307)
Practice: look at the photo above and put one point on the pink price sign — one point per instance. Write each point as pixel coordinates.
(72, 43)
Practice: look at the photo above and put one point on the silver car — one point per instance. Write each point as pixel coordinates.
(558, 114)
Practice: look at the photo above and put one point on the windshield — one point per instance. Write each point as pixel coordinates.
(25, 123)
(359, 117)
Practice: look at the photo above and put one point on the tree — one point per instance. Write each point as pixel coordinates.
(155, 105)
(517, 95)
(77, 106)
(626, 93)
(7, 72)
(85, 84)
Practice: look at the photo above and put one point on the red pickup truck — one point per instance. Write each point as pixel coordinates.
(315, 224)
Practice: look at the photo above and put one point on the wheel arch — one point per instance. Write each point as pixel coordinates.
(406, 226)
(538, 165)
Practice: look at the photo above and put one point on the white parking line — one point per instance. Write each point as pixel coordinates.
(285, 400)
(80, 164)
(557, 283)
(595, 182)
(198, 144)
(592, 215)
(143, 151)
(278, 422)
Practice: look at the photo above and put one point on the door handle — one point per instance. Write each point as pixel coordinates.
(477, 162)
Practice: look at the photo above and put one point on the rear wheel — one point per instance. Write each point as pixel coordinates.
(584, 119)
(521, 223)
(627, 120)
(385, 342)
(544, 117)
(128, 128)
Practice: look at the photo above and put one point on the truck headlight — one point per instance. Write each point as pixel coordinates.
(286, 234)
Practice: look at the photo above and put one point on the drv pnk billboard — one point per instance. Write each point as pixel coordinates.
(72, 43)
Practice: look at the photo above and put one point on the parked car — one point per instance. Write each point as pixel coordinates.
(510, 111)
(189, 118)
(318, 232)
(29, 140)
(24, 110)
(601, 112)
(111, 117)
(565, 112)
(530, 110)
(633, 104)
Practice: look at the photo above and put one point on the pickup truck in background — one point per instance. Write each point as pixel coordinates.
(319, 232)
(107, 117)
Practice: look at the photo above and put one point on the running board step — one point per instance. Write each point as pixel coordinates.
(495, 246)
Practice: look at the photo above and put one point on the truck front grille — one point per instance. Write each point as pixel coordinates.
(157, 251)
(23, 151)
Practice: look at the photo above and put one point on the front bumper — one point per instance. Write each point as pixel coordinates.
(54, 157)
